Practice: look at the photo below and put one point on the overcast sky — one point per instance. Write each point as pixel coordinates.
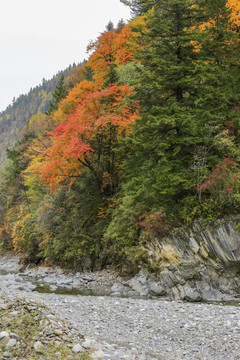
(39, 38)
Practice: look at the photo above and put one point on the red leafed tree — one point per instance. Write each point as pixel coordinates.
(87, 140)
(223, 180)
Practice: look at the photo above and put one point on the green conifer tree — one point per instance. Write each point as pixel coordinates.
(88, 73)
(138, 6)
(188, 91)
(59, 93)
(112, 76)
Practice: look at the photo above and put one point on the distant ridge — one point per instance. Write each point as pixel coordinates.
(17, 115)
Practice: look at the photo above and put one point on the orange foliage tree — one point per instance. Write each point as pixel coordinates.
(87, 140)
(110, 47)
(234, 5)
(72, 100)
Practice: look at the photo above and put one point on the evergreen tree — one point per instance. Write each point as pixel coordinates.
(59, 93)
(120, 26)
(112, 76)
(88, 73)
(138, 6)
(188, 91)
(110, 26)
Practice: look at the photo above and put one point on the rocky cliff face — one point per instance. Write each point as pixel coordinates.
(201, 262)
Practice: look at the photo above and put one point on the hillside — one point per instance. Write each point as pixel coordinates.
(17, 115)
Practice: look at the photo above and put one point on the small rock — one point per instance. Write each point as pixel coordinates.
(38, 347)
(11, 342)
(65, 281)
(86, 344)
(6, 355)
(77, 348)
(87, 277)
(44, 323)
(52, 287)
(98, 355)
(115, 288)
(51, 317)
(14, 313)
(134, 351)
(192, 296)
(32, 287)
(157, 289)
(14, 336)
(4, 334)
(58, 332)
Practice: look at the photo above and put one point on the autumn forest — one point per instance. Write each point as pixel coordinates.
(141, 137)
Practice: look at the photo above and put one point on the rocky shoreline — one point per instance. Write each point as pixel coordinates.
(128, 323)
(144, 285)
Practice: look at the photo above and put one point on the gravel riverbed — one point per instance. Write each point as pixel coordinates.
(135, 328)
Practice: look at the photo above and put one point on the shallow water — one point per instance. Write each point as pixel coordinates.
(45, 289)
(4, 272)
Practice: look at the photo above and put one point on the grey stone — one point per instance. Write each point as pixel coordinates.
(65, 281)
(167, 278)
(87, 277)
(157, 289)
(6, 355)
(32, 287)
(53, 287)
(87, 343)
(192, 296)
(14, 336)
(11, 343)
(142, 276)
(3, 306)
(77, 348)
(99, 354)
(116, 294)
(4, 334)
(38, 347)
(115, 288)
(135, 284)
(194, 245)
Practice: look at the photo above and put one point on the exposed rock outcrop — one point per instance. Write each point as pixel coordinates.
(199, 262)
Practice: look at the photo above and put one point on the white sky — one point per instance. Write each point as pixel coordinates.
(40, 38)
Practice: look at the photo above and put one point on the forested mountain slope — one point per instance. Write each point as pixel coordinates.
(17, 115)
